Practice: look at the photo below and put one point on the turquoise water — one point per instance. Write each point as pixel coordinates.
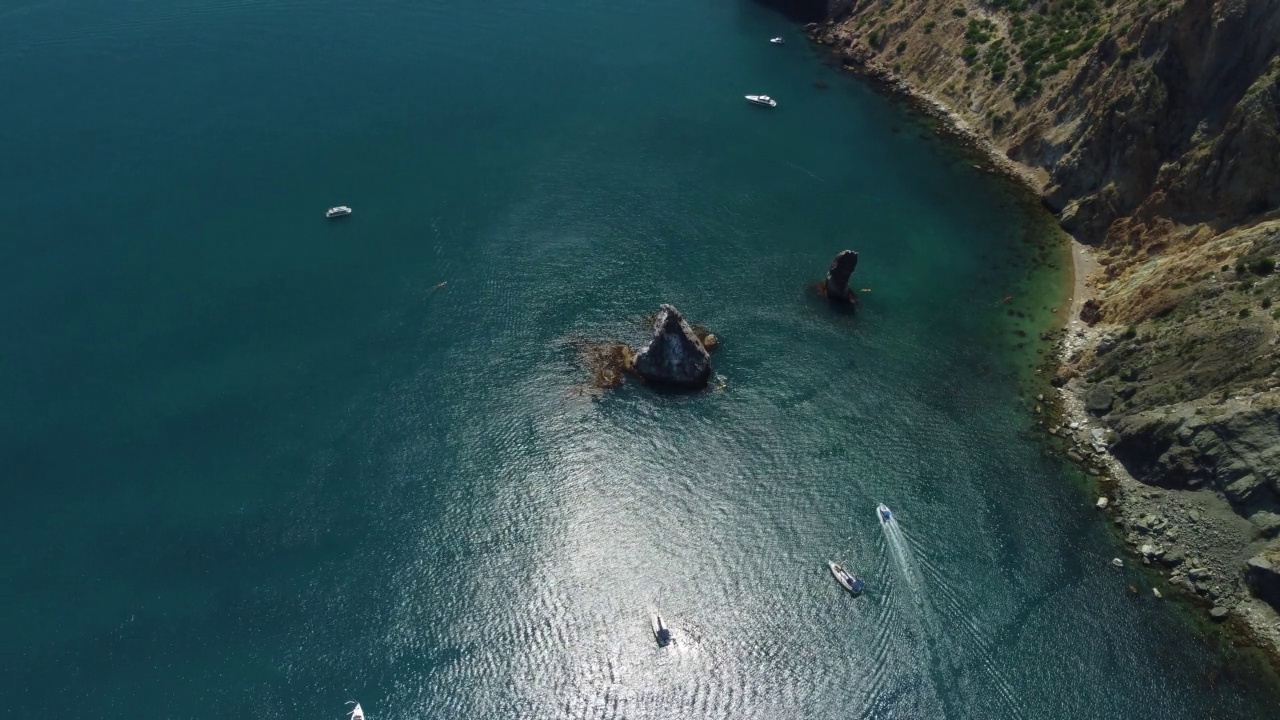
(258, 464)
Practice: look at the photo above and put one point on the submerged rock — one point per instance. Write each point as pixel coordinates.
(836, 286)
(674, 356)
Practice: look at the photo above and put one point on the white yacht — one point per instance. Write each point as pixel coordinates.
(886, 517)
(357, 713)
(337, 212)
(847, 580)
(661, 632)
(762, 100)
(777, 41)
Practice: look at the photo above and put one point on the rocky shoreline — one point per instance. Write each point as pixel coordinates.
(1138, 280)
(1193, 537)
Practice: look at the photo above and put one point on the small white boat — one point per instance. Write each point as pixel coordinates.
(762, 100)
(882, 511)
(777, 41)
(661, 632)
(357, 713)
(847, 580)
(337, 212)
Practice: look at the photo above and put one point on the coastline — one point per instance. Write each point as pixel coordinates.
(1152, 522)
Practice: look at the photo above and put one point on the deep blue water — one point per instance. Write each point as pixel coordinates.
(258, 464)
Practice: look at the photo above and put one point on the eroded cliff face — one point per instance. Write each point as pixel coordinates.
(1152, 128)
(1134, 114)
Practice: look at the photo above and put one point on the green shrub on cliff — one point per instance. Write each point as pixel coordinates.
(979, 31)
(997, 59)
(1048, 39)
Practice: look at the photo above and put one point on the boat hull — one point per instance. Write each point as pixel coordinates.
(883, 512)
(845, 578)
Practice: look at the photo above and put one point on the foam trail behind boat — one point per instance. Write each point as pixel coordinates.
(901, 553)
(932, 623)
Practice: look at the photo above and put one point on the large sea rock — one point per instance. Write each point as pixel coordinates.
(674, 357)
(836, 286)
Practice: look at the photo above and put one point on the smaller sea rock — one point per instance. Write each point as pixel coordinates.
(836, 286)
(1102, 503)
(1117, 562)
(1155, 592)
(1198, 573)
(1218, 613)
(1171, 559)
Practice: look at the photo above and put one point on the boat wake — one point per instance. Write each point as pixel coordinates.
(948, 626)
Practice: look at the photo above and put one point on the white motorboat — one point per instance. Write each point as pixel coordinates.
(886, 517)
(764, 100)
(337, 212)
(846, 579)
(661, 632)
(777, 41)
(357, 713)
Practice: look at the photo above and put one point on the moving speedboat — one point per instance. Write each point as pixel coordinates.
(846, 579)
(883, 511)
(661, 632)
(762, 100)
(356, 712)
(777, 41)
(337, 212)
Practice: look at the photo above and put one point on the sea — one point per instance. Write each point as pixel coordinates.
(258, 464)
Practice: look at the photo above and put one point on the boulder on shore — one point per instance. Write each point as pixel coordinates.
(674, 356)
(1098, 400)
(1091, 312)
(836, 286)
(1264, 575)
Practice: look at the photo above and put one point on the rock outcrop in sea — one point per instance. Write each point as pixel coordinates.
(675, 356)
(836, 286)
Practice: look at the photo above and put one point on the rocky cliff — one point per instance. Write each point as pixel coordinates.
(1152, 129)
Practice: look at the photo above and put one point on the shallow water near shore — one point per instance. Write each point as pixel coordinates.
(260, 464)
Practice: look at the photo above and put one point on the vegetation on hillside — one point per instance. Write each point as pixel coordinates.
(1044, 36)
